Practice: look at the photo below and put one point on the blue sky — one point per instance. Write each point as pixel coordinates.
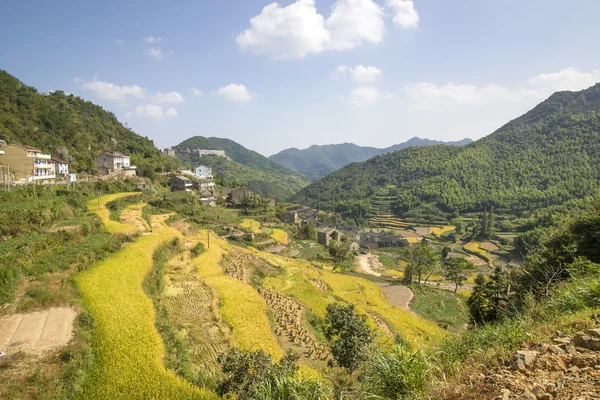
(273, 76)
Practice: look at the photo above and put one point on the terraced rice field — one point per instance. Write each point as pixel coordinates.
(128, 350)
(251, 225)
(241, 306)
(366, 295)
(104, 214)
(387, 221)
(439, 231)
(474, 247)
(280, 236)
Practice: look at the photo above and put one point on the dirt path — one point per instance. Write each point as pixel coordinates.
(398, 295)
(37, 332)
(367, 263)
(132, 215)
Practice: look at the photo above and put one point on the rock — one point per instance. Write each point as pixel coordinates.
(537, 390)
(571, 350)
(562, 340)
(594, 332)
(551, 388)
(519, 365)
(586, 341)
(574, 369)
(505, 394)
(546, 396)
(554, 349)
(527, 356)
(527, 395)
(579, 361)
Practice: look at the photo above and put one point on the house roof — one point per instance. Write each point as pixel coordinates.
(58, 160)
(406, 234)
(115, 154)
(182, 178)
(327, 230)
(23, 146)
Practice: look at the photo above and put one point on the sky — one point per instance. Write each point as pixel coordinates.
(296, 73)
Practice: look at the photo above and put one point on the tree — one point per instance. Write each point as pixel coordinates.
(458, 223)
(340, 252)
(489, 298)
(458, 270)
(422, 260)
(445, 253)
(490, 222)
(349, 334)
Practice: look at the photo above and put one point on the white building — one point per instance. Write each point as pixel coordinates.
(112, 161)
(200, 152)
(61, 167)
(204, 172)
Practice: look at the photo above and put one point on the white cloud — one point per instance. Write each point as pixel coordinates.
(152, 39)
(197, 92)
(359, 73)
(567, 79)
(366, 96)
(154, 111)
(110, 91)
(119, 41)
(155, 52)
(235, 92)
(170, 97)
(298, 29)
(538, 88)
(405, 13)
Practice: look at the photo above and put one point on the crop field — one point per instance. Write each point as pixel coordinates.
(128, 350)
(251, 225)
(474, 248)
(280, 235)
(439, 231)
(241, 306)
(388, 221)
(104, 214)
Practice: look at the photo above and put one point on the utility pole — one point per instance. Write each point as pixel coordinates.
(208, 235)
(99, 201)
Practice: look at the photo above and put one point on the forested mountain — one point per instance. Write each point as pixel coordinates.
(60, 120)
(316, 161)
(548, 156)
(246, 167)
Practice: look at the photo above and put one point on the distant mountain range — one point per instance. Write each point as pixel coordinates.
(546, 158)
(316, 161)
(245, 167)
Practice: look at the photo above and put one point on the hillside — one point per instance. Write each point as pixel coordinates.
(60, 120)
(316, 161)
(246, 167)
(546, 157)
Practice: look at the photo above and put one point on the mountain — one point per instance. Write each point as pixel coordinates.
(244, 167)
(546, 157)
(50, 121)
(316, 161)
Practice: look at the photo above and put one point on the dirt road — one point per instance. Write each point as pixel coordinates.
(368, 263)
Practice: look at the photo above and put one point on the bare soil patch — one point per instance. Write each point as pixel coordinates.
(368, 263)
(398, 295)
(37, 332)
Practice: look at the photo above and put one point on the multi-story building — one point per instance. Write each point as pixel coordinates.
(204, 172)
(27, 164)
(61, 167)
(112, 161)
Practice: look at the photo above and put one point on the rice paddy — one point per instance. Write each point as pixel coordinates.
(439, 231)
(280, 235)
(128, 350)
(104, 214)
(251, 225)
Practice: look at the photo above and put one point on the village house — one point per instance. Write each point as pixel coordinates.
(374, 240)
(203, 152)
(238, 194)
(207, 196)
(291, 217)
(170, 152)
(406, 234)
(61, 167)
(354, 246)
(204, 172)
(113, 161)
(27, 164)
(325, 235)
(203, 184)
(180, 183)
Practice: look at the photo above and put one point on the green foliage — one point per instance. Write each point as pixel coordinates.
(544, 158)
(340, 252)
(197, 250)
(252, 375)
(443, 307)
(402, 373)
(83, 128)
(458, 270)
(349, 334)
(422, 260)
(489, 298)
(316, 162)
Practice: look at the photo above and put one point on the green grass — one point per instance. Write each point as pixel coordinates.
(445, 308)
